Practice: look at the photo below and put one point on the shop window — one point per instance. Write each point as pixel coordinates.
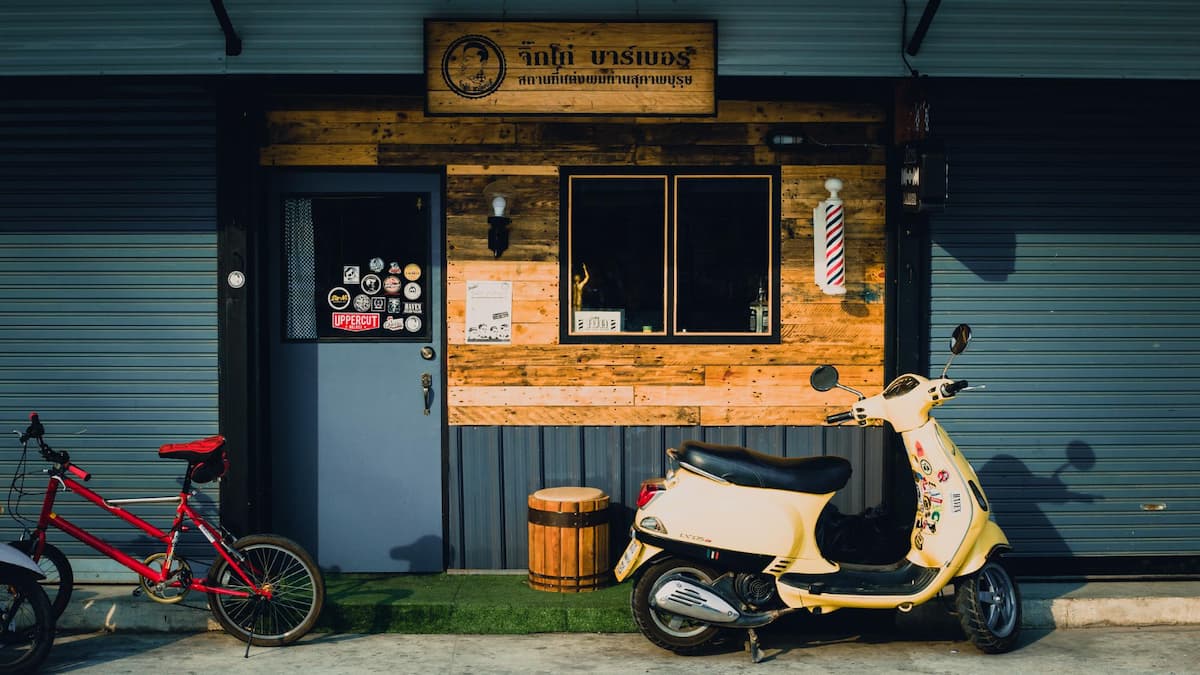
(356, 267)
(676, 256)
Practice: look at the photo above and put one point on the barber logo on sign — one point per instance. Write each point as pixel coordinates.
(473, 66)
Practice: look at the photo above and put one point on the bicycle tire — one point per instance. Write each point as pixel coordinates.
(60, 578)
(27, 633)
(298, 592)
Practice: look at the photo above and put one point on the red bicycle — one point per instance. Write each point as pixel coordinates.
(263, 589)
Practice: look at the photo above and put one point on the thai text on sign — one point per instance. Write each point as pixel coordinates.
(509, 67)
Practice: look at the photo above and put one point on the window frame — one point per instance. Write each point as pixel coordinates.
(670, 333)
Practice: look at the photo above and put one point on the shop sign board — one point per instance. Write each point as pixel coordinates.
(557, 68)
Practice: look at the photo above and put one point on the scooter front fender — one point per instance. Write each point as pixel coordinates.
(990, 539)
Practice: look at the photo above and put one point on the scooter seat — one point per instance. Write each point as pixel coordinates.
(742, 466)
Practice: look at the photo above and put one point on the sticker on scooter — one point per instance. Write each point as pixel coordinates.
(943, 476)
(926, 467)
(956, 502)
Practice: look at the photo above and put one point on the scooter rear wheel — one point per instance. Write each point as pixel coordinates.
(678, 634)
(989, 609)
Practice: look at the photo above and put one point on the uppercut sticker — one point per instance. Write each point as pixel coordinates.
(355, 322)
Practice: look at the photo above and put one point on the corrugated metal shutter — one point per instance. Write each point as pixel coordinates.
(851, 38)
(108, 313)
(493, 470)
(1071, 246)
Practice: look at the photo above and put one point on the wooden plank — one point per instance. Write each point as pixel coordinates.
(527, 376)
(522, 312)
(501, 170)
(777, 112)
(392, 154)
(574, 415)
(319, 155)
(500, 270)
(537, 289)
(522, 334)
(763, 415)
(788, 376)
(322, 131)
(720, 395)
(468, 356)
(539, 396)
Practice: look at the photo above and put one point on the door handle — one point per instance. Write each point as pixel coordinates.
(427, 390)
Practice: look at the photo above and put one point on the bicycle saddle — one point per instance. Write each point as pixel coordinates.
(193, 451)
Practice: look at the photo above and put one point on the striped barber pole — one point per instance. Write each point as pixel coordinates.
(835, 252)
(829, 242)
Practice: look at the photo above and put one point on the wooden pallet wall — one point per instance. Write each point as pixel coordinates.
(536, 380)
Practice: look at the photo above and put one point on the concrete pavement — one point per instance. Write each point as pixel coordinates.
(1091, 651)
(1045, 605)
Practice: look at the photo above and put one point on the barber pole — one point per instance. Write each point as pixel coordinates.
(829, 242)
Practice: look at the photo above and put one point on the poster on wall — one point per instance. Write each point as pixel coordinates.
(489, 312)
(562, 67)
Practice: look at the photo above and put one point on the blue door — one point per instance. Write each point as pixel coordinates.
(354, 296)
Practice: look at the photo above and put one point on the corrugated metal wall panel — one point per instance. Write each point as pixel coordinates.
(1071, 246)
(857, 38)
(493, 470)
(108, 313)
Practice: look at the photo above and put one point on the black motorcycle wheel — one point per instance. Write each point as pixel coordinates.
(989, 609)
(26, 625)
(672, 632)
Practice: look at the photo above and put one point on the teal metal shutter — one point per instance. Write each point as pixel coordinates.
(108, 312)
(1071, 246)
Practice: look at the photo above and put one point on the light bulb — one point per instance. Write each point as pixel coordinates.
(498, 205)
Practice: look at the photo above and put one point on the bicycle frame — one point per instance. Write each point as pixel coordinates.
(169, 538)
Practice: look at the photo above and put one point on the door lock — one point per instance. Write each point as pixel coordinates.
(427, 390)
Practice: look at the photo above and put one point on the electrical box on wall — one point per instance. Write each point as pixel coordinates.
(924, 177)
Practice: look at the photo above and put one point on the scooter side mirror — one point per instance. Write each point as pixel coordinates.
(959, 339)
(823, 378)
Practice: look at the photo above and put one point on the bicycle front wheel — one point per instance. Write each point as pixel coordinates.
(59, 581)
(292, 591)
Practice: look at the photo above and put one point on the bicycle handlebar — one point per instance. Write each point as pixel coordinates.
(36, 431)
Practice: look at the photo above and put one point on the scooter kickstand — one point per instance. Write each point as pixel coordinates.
(756, 654)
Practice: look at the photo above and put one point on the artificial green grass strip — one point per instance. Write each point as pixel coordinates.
(467, 603)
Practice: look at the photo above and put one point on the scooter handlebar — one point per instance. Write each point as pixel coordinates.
(952, 388)
(838, 418)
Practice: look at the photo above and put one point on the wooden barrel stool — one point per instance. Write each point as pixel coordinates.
(568, 540)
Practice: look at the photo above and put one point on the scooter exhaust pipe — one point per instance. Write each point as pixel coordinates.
(694, 599)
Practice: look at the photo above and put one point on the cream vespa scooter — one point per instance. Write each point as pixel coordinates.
(727, 539)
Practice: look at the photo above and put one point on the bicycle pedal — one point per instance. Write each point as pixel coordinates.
(137, 592)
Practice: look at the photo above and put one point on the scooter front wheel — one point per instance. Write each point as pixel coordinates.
(671, 631)
(989, 609)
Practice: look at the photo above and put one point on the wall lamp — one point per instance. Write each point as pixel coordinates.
(784, 140)
(498, 196)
